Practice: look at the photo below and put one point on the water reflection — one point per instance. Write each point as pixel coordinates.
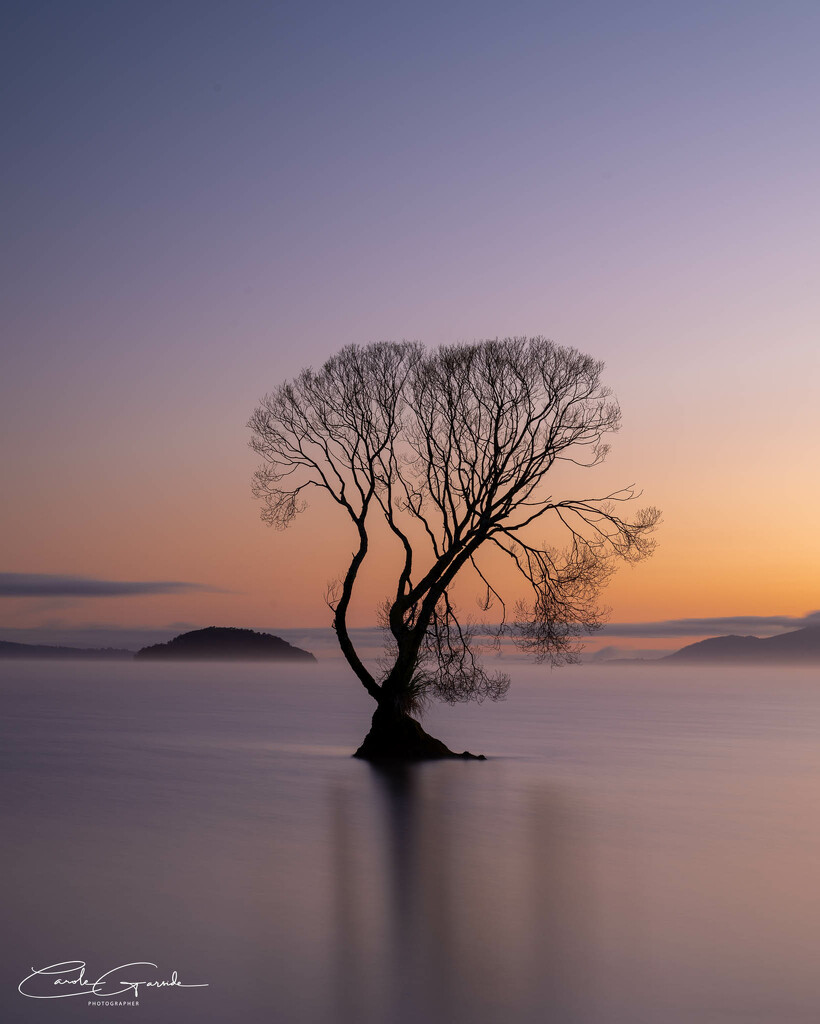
(451, 904)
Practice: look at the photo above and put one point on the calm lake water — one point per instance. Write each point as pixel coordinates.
(643, 845)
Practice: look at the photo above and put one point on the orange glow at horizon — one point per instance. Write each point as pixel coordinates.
(708, 562)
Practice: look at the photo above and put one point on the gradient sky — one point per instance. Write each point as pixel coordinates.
(203, 197)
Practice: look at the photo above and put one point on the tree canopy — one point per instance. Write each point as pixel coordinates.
(455, 445)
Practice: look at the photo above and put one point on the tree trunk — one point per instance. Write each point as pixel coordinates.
(395, 736)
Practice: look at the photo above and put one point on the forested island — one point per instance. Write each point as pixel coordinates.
(215, 643)
(221, 643)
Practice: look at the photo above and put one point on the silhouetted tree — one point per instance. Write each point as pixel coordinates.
(451, 448)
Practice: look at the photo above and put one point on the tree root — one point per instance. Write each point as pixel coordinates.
(401, 738)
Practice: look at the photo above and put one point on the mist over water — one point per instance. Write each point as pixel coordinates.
(642, 846)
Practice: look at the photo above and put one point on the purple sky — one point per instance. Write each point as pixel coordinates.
(203, 197)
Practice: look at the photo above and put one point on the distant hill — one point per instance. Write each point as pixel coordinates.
(219, 643)
(802, 646)
(12, 650)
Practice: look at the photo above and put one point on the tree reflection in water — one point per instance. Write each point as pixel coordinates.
(451, 906)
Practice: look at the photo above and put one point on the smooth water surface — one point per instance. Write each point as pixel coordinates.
(643, 845)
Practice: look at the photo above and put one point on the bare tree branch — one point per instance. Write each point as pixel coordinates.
(455, 445)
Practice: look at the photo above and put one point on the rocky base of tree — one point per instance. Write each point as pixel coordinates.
(401, 738)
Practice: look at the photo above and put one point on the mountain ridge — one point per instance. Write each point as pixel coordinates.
(799, 646)
(9, 649)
